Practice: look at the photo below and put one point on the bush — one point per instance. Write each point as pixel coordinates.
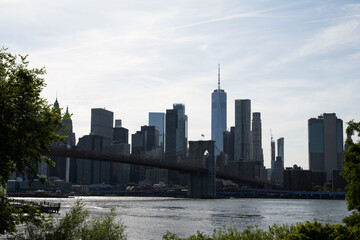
(300, 231)
(76, 224)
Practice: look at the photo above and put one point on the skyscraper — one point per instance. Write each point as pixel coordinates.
(280, 145)
(171, 142)
(257, 151)
(273, 159)
(120, 172)
(218, 116)
(157, 119)
(100, 139)
(120, 134)
(228, 138)
(242, 130)
(325, 143)
(277, 165)
(102, 122)
(64, 168)
(182, 131)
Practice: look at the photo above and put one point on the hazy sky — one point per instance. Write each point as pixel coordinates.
(293, 59)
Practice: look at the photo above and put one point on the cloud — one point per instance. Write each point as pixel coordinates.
(334, 38)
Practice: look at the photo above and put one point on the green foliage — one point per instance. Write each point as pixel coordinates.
(250, 233)
(351, 170)
(28, 124)
(76, 224)
(301, 231)
(316, 230)
(327, 187)
(104, 227)
(353, 220)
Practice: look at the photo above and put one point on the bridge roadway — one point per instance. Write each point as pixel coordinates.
(151, 162)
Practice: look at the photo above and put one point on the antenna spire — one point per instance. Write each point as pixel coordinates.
(219, 77)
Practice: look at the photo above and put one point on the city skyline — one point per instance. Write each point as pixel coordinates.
(293, 61)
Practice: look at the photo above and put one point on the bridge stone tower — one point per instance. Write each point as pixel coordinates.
(201, 154)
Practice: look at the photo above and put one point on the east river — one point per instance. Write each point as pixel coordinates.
(151, 217)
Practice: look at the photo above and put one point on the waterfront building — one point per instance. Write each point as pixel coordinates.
(157, 119)
(325, 143)
(218, 116)
(242, 130)
(297, 179)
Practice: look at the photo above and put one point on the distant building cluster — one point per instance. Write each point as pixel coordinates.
(238, 150)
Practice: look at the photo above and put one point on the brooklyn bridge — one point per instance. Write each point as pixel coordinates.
(201, 167)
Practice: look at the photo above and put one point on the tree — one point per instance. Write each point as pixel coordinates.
(351, 170)
(28, 124)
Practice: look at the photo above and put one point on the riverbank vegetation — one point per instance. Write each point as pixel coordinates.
(76, 224)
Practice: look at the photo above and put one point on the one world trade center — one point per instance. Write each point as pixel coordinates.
(218, 116)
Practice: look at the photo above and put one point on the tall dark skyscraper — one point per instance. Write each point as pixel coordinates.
(171, 134)
(182, 131)
(242, 130)
(257, 151)
(325, 143)
(171, 142)
(218, 116)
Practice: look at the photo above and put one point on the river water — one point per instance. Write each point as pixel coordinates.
(151, 217)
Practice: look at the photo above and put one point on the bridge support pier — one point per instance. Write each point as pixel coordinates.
(201, 154)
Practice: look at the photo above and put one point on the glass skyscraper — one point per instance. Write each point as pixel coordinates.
(218, 116)
(325, 143)
(157, 119)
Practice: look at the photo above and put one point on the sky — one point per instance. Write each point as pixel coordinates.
(295, 60)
